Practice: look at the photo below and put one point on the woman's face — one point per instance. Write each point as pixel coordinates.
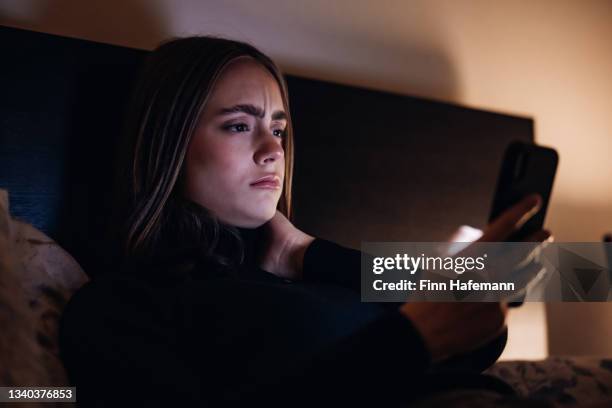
(238, 141)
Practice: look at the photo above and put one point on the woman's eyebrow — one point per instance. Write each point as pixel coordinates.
(253, 111)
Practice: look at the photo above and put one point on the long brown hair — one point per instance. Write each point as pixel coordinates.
(173, 89)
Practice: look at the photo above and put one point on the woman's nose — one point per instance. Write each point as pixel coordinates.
(269, 150)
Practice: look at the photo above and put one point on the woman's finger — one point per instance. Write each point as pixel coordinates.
(512, 219)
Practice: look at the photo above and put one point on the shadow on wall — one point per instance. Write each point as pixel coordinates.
(427, 73)
(326, 48)
(131, 23)
(395, 48)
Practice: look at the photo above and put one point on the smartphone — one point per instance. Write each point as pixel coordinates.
(526, 168)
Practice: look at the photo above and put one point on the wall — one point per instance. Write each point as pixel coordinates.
(549, 59)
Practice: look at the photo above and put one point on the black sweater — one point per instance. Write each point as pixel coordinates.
(142, 336)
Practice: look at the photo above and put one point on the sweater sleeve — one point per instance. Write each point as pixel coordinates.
(328, 262)
(379, 365)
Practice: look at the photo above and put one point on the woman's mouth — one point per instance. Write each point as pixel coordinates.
(268, 182)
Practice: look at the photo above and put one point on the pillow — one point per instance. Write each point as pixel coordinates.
(37, 278)
(19, 352)
(562, 380)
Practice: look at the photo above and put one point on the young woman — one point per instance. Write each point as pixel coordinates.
(220, 299)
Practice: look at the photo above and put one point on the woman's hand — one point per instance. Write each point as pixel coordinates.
(451, 328)
(283, 249)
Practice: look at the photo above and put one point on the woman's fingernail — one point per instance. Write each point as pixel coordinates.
(536, 201)
(536, 204)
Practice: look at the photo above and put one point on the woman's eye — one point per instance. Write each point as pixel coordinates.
(238, 127)
(243, 127)
(279, 132)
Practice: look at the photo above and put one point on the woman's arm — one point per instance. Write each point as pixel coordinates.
(329, 262)
(380, 365)
(325, 261)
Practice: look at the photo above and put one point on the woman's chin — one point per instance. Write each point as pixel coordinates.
(266, 216)
(256, 219)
